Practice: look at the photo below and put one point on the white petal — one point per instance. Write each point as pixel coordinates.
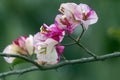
(29, 44)
(84, 8)
(93, 18)
(50, 56)
(10, 49)
(67, 8)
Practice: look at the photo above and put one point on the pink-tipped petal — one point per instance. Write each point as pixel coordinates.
(11, 49)
(67, 8)
(81, 14)
(66, 23)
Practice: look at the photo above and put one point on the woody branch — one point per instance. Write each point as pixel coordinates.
(55, 66)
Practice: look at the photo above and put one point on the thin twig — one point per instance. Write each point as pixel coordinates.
(88, 51)
(83, 30)
(72, 38)
(80, 45)
(69, 44)
(58, 65)
(16, 72)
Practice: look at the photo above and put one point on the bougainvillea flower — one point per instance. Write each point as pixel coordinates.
(53, 32)
(66, 23)
(20, 42)
(86, 15)
(22, 46)
(29, 45)
(46, 52)
(68, 9)
(39, 37)
(46, 43)
(12, 49)
(82, 13)
(25, 43)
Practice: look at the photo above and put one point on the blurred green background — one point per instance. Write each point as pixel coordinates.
(24, 17)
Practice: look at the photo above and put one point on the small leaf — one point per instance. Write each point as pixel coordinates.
(18, 61)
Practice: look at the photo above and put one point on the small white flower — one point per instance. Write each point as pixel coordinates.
(12, 49)
(46, 51)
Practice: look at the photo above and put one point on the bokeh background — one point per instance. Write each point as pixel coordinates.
(24, 17)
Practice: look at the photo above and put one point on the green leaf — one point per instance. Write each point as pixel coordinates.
(18, 61)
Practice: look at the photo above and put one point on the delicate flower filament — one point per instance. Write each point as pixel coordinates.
(43, 29)
(42, 50)
(64, 21)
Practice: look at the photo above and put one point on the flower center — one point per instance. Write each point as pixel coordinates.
(39, 47)
(62, 9)
(43, 29)
(84, 15)
(64, 21)
(42, 50)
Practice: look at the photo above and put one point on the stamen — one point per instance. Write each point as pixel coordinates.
(43, 29)
(84, 15)
(39, 47)
(64, 16)
(83, 11)
(64, 20)
(42, 50)
(62, 9)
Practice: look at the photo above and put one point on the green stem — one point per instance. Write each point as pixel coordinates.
(88, 51)
(80, 45)
(69, 44)
(72, 38)
(83, 30)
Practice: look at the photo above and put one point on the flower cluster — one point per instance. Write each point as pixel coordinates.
(46, 43)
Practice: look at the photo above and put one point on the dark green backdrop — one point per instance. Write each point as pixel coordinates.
(24, 17)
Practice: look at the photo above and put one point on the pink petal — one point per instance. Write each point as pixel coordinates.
(20, 41)
(60, 50)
